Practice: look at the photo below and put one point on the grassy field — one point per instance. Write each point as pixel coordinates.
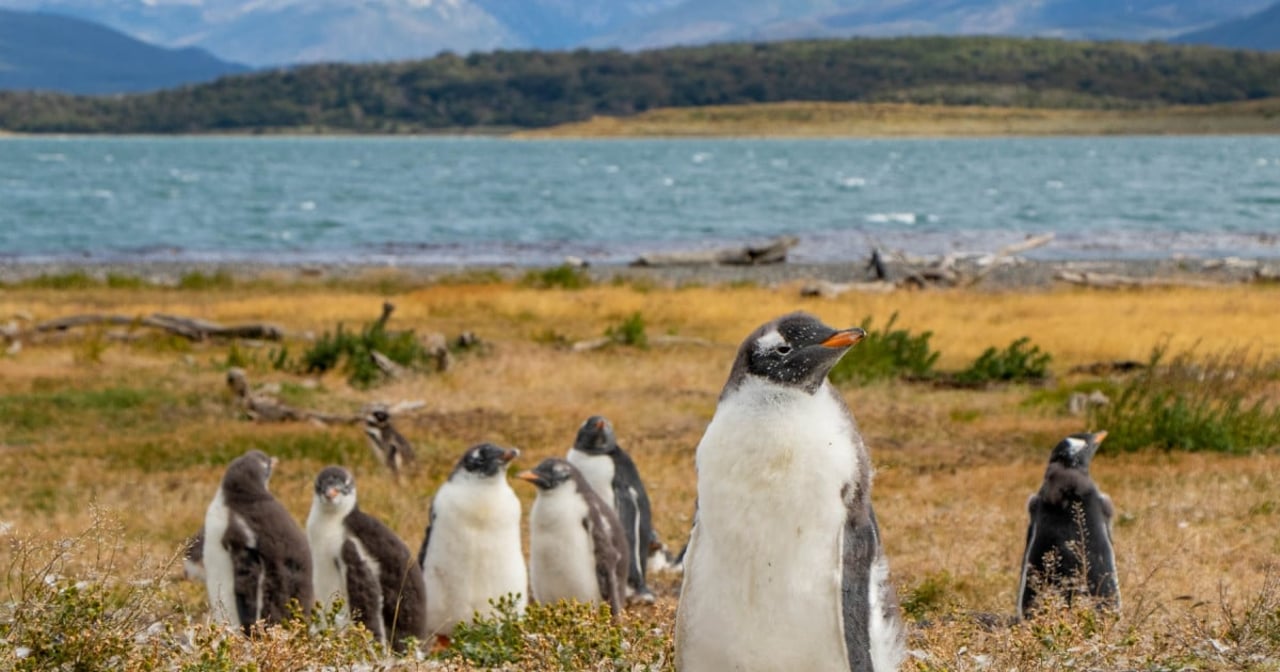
(120, 445)
(801, 119)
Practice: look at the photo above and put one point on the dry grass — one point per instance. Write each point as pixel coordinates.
(817, 119)
(146, 431)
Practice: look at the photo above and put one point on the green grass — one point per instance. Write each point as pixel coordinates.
(630, 331)
(558, 277)
(887, 353)
(1219, 402)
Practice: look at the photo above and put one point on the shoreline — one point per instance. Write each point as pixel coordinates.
(1015, 274)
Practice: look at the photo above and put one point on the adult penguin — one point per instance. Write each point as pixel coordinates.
(255, 556)
(471, 552)
(360, 560)
(785, 569)
(613, 475)
(1069, 516)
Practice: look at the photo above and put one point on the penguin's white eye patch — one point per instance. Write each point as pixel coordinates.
(770, 341)
(1075, 445)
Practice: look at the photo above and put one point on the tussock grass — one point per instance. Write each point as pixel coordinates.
(147, 431)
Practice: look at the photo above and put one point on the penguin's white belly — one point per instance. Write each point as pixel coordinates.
(562, 564)
(763, 574)
(326, 537)
(218, 567)
(598, 470)
(474, 555)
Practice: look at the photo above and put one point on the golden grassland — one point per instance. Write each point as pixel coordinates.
(144, 429)
(821, 119)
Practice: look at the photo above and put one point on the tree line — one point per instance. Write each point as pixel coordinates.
(527, 89)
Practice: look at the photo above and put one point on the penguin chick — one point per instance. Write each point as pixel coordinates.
(255, 556)
(1067, 516)
(613, 475)
(360, 560)
(785, 569)
(471, 552)
(387, 443)
(577, 550)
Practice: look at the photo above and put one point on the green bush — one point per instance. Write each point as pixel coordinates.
(199, 280)
(562, 277)
(354, 351)
(1015, 364)
(630, 331)
(1219, 403)
(887, 353)
(560, 636)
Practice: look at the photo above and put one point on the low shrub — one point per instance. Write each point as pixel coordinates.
(1020, 362)
(887, 353)
(1221, 403)
(559, 277)
(630, 331)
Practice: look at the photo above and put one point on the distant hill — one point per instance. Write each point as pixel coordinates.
(1258, 31)
(47, 52)
(508, 89)
(282, 32)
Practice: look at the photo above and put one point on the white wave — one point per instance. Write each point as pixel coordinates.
(104, 194)
(701, 157)
(51, 158)
(668, 182)
(184, 176)
(1053, 184)
(852, 182)
(1261, 162)
(307, 206)
(892, 218)
(611, 169)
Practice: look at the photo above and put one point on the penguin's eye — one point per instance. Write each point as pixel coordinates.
(783, 350)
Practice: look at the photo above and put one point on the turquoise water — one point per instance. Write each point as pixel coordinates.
(432, 200)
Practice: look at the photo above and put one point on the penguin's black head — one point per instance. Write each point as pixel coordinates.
(335, 482)
(486, 460)
(795, 350)
(595, 437)
(248, 474)
(1077, 451)
(549, 474)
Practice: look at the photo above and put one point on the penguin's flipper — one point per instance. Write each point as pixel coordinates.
(248, 576)
(426, 537)
(629, 515)
(609, 564)
(1026, 592)
(858, 552)
(364, 595)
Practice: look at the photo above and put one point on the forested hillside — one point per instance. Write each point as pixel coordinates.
(535, 89)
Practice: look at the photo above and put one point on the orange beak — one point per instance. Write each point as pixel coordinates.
(527, 475)
(599, 424)
(510, 454)
(1099, 436)
(844, 339)
(331, 493)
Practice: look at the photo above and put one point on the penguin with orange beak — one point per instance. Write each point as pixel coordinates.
(358, 559)
(785, 568)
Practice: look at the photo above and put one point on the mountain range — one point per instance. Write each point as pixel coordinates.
(51, 52)
(279, 32)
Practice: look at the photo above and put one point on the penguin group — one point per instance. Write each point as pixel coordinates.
(259, 567)
(785, 567)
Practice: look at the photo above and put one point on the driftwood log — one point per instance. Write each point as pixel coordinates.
(187, 327)
(1113, 281)
(262, 408)
(772, 252)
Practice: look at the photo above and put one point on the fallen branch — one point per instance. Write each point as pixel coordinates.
(830, 290)
(1112, 281)
(773, 252)
(187, 327)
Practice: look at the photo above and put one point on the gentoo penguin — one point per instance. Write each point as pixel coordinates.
(613, 476)
(358, 559)
(785, 569)
(1068, 515)
(389, 445)
(471, 553)
(577, 550)
(255, 556)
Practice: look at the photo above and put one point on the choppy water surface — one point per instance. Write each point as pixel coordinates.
(419, 200)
